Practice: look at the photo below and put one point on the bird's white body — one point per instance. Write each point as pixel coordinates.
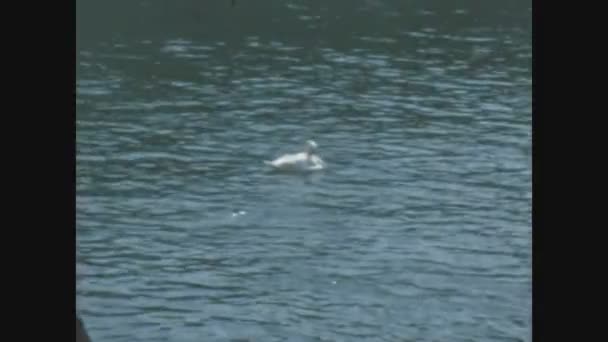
(303, 161)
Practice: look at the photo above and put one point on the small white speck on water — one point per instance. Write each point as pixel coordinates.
(239, 213)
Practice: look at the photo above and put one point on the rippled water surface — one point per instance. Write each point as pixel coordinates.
(418, 230)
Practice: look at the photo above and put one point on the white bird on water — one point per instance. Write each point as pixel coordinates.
(303, 161)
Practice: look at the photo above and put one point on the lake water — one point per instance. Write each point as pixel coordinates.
(418, 230)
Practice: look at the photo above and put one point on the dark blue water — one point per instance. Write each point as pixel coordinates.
(418, 230)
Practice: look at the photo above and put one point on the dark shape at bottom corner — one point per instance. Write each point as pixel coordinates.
(81, 333)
